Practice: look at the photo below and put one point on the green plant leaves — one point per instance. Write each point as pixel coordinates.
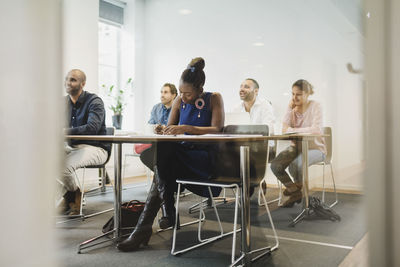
(118, 97)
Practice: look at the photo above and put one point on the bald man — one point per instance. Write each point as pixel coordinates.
(85, 116)
(260, 110)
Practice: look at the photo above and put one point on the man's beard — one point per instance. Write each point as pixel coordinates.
(73, 91)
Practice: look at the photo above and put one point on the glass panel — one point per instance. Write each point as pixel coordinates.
(109, 49)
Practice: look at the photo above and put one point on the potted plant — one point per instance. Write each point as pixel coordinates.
(118, 102)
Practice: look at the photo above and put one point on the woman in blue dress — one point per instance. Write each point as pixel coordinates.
(195, 112)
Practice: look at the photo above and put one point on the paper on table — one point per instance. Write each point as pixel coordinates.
(191, 136)
(289, 133)
(227, 135)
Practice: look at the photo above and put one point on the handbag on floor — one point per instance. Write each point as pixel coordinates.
(322, 210)
(130, 213)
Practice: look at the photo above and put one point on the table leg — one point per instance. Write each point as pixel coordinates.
(245, 199)
(306, 211)
(117, 206)
(117, 189)
(304, 155)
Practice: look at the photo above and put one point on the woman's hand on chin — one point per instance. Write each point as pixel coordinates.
(291, 104)
(176, 129)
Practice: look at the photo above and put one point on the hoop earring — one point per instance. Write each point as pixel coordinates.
(199, 103)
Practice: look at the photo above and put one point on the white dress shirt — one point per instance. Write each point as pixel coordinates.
(260, 113)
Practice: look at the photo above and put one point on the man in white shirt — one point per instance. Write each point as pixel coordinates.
(260, 110)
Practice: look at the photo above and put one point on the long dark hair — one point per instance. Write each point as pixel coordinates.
(194, 74)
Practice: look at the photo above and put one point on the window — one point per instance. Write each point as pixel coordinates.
(111, 13)
(109, 50)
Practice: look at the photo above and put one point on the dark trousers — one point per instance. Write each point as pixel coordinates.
(180, 161)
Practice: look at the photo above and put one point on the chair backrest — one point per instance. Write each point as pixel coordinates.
(247, 129)
(328, 144)
(109, 131)
(230, 155)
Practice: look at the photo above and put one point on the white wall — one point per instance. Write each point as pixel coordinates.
(302, 39)
(30, 126)
(80, 39)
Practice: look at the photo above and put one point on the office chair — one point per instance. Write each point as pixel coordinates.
(258, 160)
(104, 175)
(328, 161)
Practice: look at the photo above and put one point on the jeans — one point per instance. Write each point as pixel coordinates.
(291, 157)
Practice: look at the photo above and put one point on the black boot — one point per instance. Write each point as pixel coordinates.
(167, 192)
(168, 216)
(143, 229)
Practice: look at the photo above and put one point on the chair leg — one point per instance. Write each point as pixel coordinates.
(176, 221)
(124, 167)
(200, 220)
(235, 225)
(82, 192)
(334, 188)
(323, 183)
(280, 192)
(272, 225)
(103, 179)
(216, 214)
(261, 192)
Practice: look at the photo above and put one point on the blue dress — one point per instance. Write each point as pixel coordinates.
(197, 157)
(192, 115)
(186, 160)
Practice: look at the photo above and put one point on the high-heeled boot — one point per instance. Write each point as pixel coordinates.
(168, 216)
(143, 230)
(168, 208)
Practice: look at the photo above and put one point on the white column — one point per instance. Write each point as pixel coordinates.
(80, 39)
(393, 118)
(30, 129)
(383, 120)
